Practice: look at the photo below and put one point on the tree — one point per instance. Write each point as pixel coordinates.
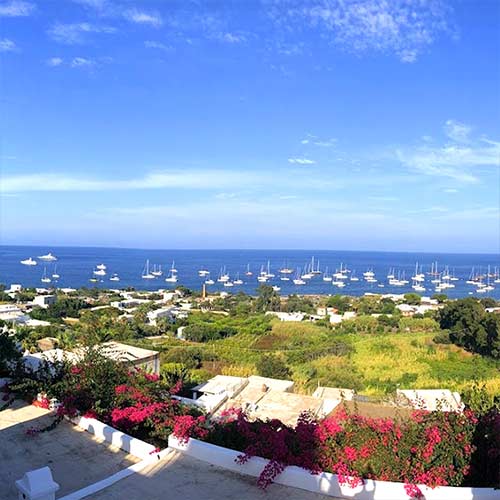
(296, 303)
(8, 353)
(272, 366)
(413, 299)
(471, 327)
(339, 302)
(268, 299)
(440, 297)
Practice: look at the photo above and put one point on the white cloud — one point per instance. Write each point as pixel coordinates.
(54, 61)
(232, 38)
(82, 62)
(301, 161)
(403, 27)
(451, 190)
(75, 33)
(316, 141)
(7, 45)
(140, 17)
(455, 160)
(456, 131)
(95, 4)
(151, 44)
(196, 179)
(16, 8)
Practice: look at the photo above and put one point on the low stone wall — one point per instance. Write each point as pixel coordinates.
(324, 483)
(115, 437)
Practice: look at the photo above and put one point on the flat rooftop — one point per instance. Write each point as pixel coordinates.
(77, 458)
(185, 478)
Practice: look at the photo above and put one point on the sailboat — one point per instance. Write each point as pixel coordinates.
(157, 272)
(209, 281)
(285, 269)
(269, 274)
(298, 278)
(172, 278)
(146, 274)
(100, 272)
(55, 275)
(314, 271)
(29, 262)
(203, 272)
(45, 278)
(326, 276)
(238, 281)
(248, 272)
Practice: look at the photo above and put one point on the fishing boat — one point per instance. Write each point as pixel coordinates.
(48, 257)
(45, 278)
(146, 274)
(29, 262)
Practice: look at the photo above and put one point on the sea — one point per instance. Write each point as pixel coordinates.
(76, 265)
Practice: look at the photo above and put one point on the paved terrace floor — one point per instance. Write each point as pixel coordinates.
(77, 459)
(178, 477)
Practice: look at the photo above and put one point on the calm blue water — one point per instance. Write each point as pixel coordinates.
(75, 265)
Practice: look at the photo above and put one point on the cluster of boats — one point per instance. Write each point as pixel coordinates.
(420, 281)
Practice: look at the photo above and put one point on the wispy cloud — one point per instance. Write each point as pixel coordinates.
(301, 161)
(151, 44)
(141, 17)
(54, 61)
(82, 62)
(403, 27)
(316, 141)
(94, 4)
(195, 179)
(76, 33)
(7, 45)
(456, 160)
(17, 8)
(232, 38)
(457, 131)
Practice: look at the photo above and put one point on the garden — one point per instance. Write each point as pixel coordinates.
(430, 448)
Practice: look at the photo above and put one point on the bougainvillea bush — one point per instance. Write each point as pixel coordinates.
(127, 398)
(431, 448)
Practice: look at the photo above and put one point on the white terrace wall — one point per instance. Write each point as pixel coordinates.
(116, 438)
(324, 483)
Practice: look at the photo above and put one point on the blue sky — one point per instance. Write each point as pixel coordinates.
(325, 124)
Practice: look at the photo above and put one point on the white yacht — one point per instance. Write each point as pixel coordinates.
(228, 284)
(276, 288)
(100, 272)
(248, 272)
(173, 269)
(115, 277)
(48, 257)
(101, 267)
(209, 282)
(238, 281)
(286, 270)
(203, 272)
(29, 262)
(146, 274)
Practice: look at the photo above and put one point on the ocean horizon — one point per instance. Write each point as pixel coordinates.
(76, 265)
